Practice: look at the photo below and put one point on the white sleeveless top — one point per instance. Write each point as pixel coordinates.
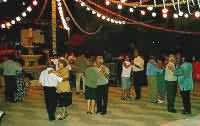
(126, 72)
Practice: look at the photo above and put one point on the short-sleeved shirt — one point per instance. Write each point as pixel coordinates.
(10, 68)
(126, 72)
(49, 80)
(63, 86)
(91, 76)
(170, 72)
(103, 79)
(140, 62)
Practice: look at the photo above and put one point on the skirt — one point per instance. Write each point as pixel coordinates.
(125, 83)
(90, 93)
(64, 99)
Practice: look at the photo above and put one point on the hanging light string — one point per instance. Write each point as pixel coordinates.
(139, 23)
(100, 15)
(9, 24)
(76, 23)
(137, 4)
(42, 10)
(62, 16)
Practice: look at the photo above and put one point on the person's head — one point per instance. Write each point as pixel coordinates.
(152, 57)
(136, 52)
(62, 63)
(99, 60)
(66, 55)
(172, 58)
(126, 58)
(51, 64)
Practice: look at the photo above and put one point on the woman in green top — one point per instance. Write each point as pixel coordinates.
(91, 77)
(161, 81)
(185, 82)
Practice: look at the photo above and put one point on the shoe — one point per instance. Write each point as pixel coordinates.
(172, 111)
(89, 113)
(103, 113)
(186, 113)
(78, 93)
(161, 102)
(137, 98)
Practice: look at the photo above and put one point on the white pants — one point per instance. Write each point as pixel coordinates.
(80, 76)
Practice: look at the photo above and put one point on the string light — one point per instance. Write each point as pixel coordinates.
(35, 2)
(13, 22)
(186, 15)
(60, 10)
(112, 20)
(88, 8)
(123, 1)
(131, 10)
(93, 12)
(175, 16)
(3, 26)
(82, 4)
(8, 24)
(103, 17)
(108, 19)
(98, 15)
(150, 8)
(142, 12)
(153, 14)
(23, 14)
(180, 13)
(119, 7)
(5, 1)
(197, 14)
(107, 2)
(29, 9)
(164, 10)
(164, 15)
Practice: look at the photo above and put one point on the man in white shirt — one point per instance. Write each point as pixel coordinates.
(49, 82)
(138, 69)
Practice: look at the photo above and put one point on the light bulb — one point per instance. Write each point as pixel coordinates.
(180, 13)
(93, 12)
(3, 26)
(119, 7)
(164, 15)
(82, 4)
(150, 8)
(88, 8)
(123, 1)
(197, 14)
(175, 15)
(142, 12)
(107, 2)
(24, 14)
(186, 15)
(164, 10)
(98, 15)
(103, 17)
(153, 14)
(35, 2)
(108, 19)
(18, 18)
(29, 9)
(13, 22)
(131, 10)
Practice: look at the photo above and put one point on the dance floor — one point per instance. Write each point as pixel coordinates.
(32, 112)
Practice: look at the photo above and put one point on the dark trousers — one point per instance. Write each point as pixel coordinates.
(50, 96)
(102, 98)
(138, 80)
(186, 101)
(171, 94)
(10, 88)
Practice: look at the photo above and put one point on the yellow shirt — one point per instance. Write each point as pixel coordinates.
(63, 86)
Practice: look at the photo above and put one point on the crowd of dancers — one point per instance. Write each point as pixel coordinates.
(164, 76)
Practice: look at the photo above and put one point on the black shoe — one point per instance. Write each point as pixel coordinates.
(186, 113)
(137, 98)
(172, 111)
(78, 93)
(103, 113)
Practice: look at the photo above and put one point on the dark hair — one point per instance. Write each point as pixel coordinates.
(51, 64)
(63, 61)
(188, 59)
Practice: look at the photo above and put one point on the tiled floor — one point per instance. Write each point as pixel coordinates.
(120, 113)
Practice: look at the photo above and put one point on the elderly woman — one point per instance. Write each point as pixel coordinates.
(63, 89)
(91, 77)
(171, 83)
(185, 83)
